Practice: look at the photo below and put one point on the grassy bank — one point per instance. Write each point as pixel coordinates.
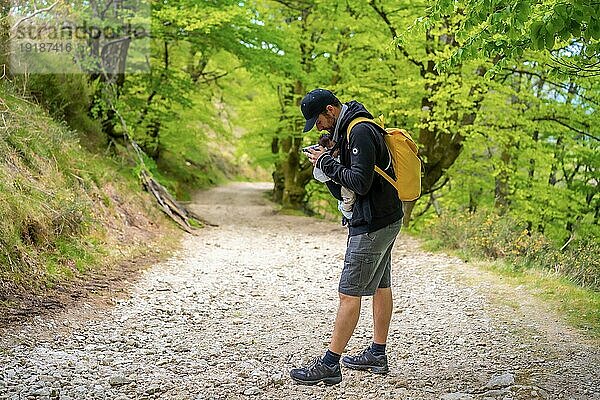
(64, 211)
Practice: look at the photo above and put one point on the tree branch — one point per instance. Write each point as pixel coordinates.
(36, 12)
(212, 76)
(295, 5)
(589, 70)
(434, 189)
(558, 85)
(108, 5)
(427, 207)
(558, 121)
(392, 29)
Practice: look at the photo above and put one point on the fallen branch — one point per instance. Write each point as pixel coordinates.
(176, 211)
(166, 202)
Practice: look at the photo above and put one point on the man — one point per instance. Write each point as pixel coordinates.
(372, 230)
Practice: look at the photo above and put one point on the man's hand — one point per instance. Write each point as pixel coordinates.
(314, 154)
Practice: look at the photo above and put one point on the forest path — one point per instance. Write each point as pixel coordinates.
(242, 303)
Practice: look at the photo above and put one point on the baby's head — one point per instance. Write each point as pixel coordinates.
(326, 141)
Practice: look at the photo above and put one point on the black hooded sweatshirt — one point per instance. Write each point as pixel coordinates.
(377, 204)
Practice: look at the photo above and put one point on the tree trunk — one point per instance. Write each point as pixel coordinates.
(291, 175)
(474, 196)
(558, 151)
(295, 177)
(502, 179)
(152, 147)
(502, 182)
(531, 173)
(440, 149)
(278, 179)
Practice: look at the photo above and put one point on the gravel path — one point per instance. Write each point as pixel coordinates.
(242, 303)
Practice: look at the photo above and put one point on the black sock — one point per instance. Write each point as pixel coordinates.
(378, 349)
(331, 358)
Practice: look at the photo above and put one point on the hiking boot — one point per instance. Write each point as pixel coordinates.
(367, 361)
(316, 372)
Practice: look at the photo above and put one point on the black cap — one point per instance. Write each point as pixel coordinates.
(314, 103)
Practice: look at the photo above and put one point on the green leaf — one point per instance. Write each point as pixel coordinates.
(588, 13)
(535, 28)
(514, 34)
(558, 24)
(590, 51)
(519, 51)
(539, 39)
(522, 10)
(549, 41)
(562, 10)
(575, 28)
(565, 34)
(594, 27)
(578, 15)
(587, 33)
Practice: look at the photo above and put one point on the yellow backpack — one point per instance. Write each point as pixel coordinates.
(405, 159)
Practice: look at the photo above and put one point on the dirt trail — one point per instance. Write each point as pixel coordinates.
(242, 303)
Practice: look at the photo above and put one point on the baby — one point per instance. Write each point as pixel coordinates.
(348, 196)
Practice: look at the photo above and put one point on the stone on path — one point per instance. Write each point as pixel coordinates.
(457, 396)
(42, 392)
(118, 380)
(252, 391)
(501, 381)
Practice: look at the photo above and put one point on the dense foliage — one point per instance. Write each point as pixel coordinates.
(503, 30)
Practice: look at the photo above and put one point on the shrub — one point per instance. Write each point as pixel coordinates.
(579, 261)
(68, 98)
(491, 236)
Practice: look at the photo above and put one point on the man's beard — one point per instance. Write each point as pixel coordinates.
(333, 124)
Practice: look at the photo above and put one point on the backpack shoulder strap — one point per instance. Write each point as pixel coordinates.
(386, 176)
(353, 123)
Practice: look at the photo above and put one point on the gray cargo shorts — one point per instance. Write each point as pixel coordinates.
(368, 261)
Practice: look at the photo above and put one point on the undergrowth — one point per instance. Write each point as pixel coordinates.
(568, 278)
(491, 237)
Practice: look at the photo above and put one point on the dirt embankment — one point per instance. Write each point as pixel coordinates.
(135, 236)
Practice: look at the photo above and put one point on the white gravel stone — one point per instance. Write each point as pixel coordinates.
(41, 392)
(501, 381)
(457, 396)
(252, 391)
(118, 380)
